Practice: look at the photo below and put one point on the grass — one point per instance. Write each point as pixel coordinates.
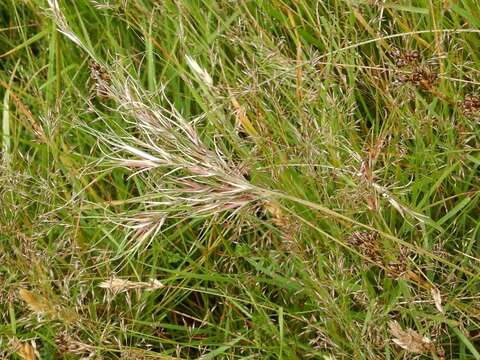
(252, 179)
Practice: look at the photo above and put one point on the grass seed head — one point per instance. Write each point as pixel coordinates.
(202, 74)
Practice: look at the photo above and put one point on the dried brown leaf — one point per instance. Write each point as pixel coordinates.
(117, 285)
(409, 339)
(437, 298)
(279, 217)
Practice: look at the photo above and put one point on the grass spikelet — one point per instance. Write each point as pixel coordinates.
(202, 74)
(63, 25)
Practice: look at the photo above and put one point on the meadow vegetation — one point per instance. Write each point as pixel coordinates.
(285, 179)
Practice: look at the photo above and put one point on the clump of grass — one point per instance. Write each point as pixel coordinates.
(254, 180)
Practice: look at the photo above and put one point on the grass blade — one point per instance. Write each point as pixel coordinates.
(6, 144)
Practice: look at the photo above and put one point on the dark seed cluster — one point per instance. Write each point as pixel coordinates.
(100, 79)
(403, 59)
(424, 77)
(410, 69)
(470, 106)
(366, 242)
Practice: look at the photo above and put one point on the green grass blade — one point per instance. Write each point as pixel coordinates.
(6, 139)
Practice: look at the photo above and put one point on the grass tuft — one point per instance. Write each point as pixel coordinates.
(252, 179)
